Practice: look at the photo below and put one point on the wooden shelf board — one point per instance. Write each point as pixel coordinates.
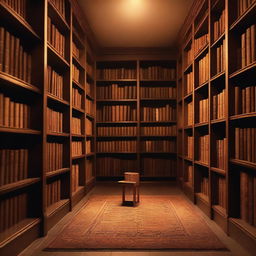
(199, 26)
(56, 99)
(218, 76)
(202, 164)
(243, 163)
(117, 122)
(158, 122)
(4, 189)
(60, 60)
(188, 127)
(218, 121)
(158, 152)
(78, 63)
(117, 136)
(58, 134)
(18, 21)
(187, 159)
(7, 79)
(189, 95)
(78, 40)
(78, 157)
(81, 111)
(158, 80)
(89, 136)
(201, 51)
(203, 197)
(56, 207)
(56, 172)
(243, 116)
(218, 40)
(244, 226)
(201, 124)
(215, 4)
(19, 130)
(116, 80)
(201, 86)
(158, 136)
(90, 76)
(77, 84)
(89, 116)
(116, 100)
(158, 99)
(78, 135)
(219, 171)
(79, 190)
(117, 152)
(219, 209)
(188, 67)
(188, 185)
(241, 71)
(90, 96)
(8, 235)
(90, 180)
(89, 154)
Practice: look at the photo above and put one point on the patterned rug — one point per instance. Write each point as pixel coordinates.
(158, 222)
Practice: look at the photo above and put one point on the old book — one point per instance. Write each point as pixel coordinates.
(7, 52)
(2, 48)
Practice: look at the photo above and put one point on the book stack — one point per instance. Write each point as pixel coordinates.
(54, 156)
(19, 6)
(158, 167)
(220, 58)
(76, 125)
(76, 98)
(117, 131)
(88, 147)
(163, 113)
(115, 113)
(53, 192)
(243, 5)
(75, 51)
(89, 107)
(59, 5)
(75, 73)
(221, 145)
(189, 170)
(157, 73)
(55, 38)
(247, 198)
(219, 26)
(14, 59)
(159, 130)
(75, 177)
(245, 98)
(245, 143)
(89, 89)
(189, 82)
(13, 113)
(77, 148)
(160, 92)
(203, 69)
(116, 91)
(55, 120)
(13, 165)
(89, 170)
(117, 146)
(248, 44)
(221, 193)
(190, 147)
(116, 73)
(203, 110)
(201, 42)
(190, 113)
(205, 186)
(115, 166)
(89, 127)
(55, 83)
(203, 148)
(188, 56)
(13, 210)
(158, 146)
(218, 105)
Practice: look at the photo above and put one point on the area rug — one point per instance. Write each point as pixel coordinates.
(158, 222)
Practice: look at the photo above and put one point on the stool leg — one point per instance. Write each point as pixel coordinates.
(138, 193)
(123, 194)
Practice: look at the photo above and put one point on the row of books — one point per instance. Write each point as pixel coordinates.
(54, 156)
(55, 83)
(220, 58)
(158, 146)
(204, 186)
(55, 38)
(157, 73)
(219, 26)
(60, 6)
(89, 169)
(218, 105)
(88, 147)
(76, 125)
(54, 120)
(245, 98)
(14, 114)
(13, 210)
(53, 192)
(116, 73)
(116, 91)
(188, 56)
(201, 42)
(115, 113)
(243, 5)
(89, 89)
(88, 127)
(117, 146)
(190, 113)
(14, 59)
(158, 167)
(75, 177)
(163, 113)
(75, 51)
(203, 149)
(75, 73)
(247, 198)
(220, 151)
(248, 45)
(159, 130)
(245, 142)
(189, 147)
(221, 192)
(19, 6)
(13, 165)
(189, 82)
(115, 166)
(89, 107)
(189, 174)
(117, 131)
(76, 98)
(158, 92)
(203, 110)
(203, 69)
(76, 148)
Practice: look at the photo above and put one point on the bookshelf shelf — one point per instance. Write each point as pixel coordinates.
(78, 63)
(78, 136)
(158, 99)
(78, 157)
(219, 171)
(243, 71)
(243, 163)
(57, 172)
(187, 159)
(90, 97)
(116, 80)
(202, 86)
(188, 68)
(117, 136)
(54, 208)
(218, 121)
(56, 58)
(116, 100)
(202, 51)
(243, 116)
(58, 100)
(159, 122)
(90, 116)
(202, 24)
(199, 125)
(77, 39)
(218, 76)
(78, 110)
(117, 152)
(218, 40)
(201, 163)
(220, 210)
(19, 131)
(203, 197)
(58, 134)
(78, 85)
(118, 122)
(90, 154)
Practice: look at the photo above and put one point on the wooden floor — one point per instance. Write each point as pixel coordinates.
(147, 188)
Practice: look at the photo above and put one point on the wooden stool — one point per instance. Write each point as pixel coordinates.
(131, 179)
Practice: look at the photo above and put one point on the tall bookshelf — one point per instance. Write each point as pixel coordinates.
(43, 118)
(216, 99)
(138, 101)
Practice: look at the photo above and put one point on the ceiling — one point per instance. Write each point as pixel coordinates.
(135, 23)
